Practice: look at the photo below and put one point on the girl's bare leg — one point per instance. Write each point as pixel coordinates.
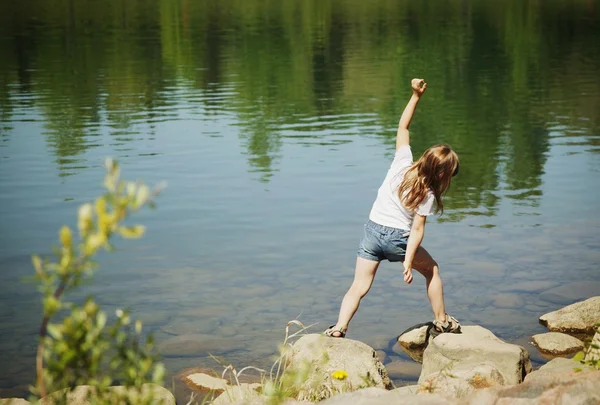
(424, 264)
(363, 279)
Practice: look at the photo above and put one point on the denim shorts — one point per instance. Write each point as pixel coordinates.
(382, 242)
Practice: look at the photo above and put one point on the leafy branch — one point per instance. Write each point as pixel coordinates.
(79, 349)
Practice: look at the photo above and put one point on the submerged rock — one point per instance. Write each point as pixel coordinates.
(578, 318)
(570, 292)
(476, 357)
(556, 343)
(414, 340)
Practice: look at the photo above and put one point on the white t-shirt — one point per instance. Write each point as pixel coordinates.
(387, 209)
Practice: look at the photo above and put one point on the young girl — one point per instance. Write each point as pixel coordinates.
(397, 223)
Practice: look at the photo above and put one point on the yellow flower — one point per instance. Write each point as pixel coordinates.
(339, 375)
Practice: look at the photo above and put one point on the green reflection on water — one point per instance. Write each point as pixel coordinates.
(500, 74)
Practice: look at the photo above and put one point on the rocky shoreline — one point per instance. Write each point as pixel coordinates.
(473, 367)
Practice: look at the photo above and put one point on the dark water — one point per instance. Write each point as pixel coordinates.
(273, 124)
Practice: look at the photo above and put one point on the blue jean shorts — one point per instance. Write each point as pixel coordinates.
(382, 242)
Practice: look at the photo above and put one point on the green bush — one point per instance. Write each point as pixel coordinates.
(77, 344)
(592, 358)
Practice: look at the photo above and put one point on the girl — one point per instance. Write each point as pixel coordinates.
(397, 223)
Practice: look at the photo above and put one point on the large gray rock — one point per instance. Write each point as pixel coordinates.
(378, 396)
(578, 318)
(559, 389)
(14, 401)
(556, 343)
(462, 381)
(476, 348)
(120, 395)
(319, 356)
(414, 340)
(406, 390)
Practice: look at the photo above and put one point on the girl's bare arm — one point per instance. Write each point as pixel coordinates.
(402, 136)
(414, 241)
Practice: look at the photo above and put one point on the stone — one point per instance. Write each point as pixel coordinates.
(570, 292)
(471, 348)
(406, 390)
(14, 401)
(414, 340)
(206, 382)
(577, 318)
(593, 351)
(557, 343)
(462, 381)
(323, 355)
(79, 395)
(378, 396)
(559, 389)
(557, 366)
(243, 393)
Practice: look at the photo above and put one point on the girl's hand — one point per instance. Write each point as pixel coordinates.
(408, 273)
(418, 86)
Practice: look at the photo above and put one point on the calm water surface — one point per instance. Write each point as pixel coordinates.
(273, 124)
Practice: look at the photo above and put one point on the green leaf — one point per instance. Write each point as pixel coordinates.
(132, 232)
(579, 356)
(54, 330)
(101, 320)
(51, 305)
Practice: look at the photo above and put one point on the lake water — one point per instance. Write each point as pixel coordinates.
(273, 124)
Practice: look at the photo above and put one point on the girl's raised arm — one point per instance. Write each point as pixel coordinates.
(418, 88)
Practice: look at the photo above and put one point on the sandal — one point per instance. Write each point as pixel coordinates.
(450, 326)
(331, 330)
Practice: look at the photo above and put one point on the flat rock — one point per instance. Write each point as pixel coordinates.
(323, 356)
(474, 347)
(557, 343)
(570, 292)
(578, 318)
(14, 401)
(557, 367)
(206, 382)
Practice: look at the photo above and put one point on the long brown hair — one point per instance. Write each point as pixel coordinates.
(433, 171)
